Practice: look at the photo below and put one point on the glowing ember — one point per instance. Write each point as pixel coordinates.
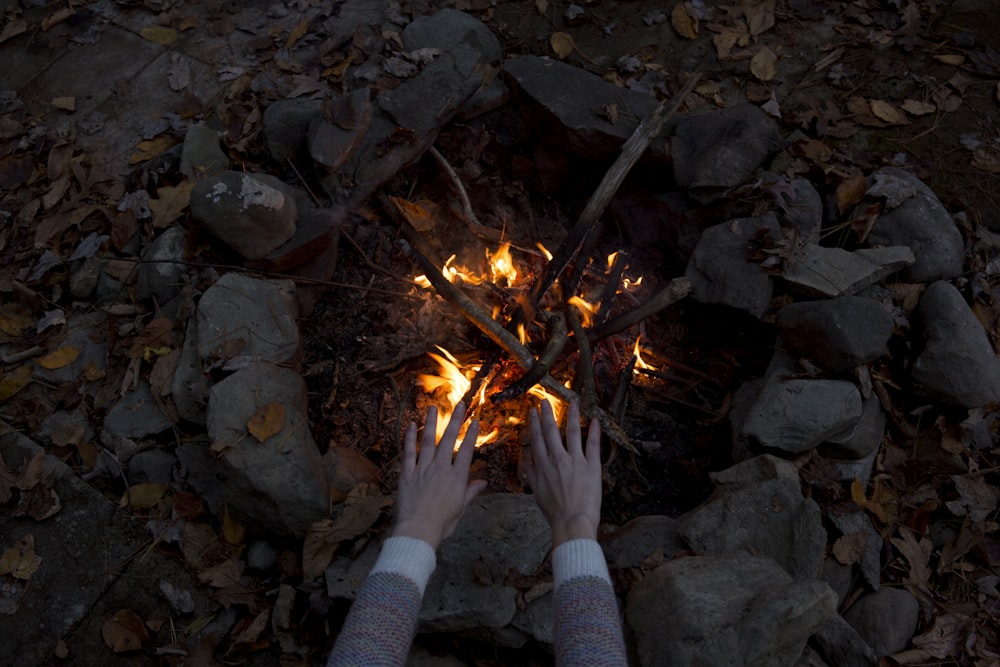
(639, 361)
(629, 283)
(502, 264)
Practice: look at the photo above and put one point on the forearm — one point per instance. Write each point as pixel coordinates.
(383, 619)
(587, 623)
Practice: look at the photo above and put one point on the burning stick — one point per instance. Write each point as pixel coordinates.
(611, 288)
(588, 391)
(538, 370)
(676, 289)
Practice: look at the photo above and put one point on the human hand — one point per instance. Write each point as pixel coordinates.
(434, 490)
(566, 479)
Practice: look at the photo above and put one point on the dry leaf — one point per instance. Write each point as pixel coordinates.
(151, 148)
(950, 58)
(987, 160)
(143, 496)
(562, 44)
(946, 637)
(61, 651)
(917, 553)
(159, 35)
(14, 381)
(13, 29)
(418, 217)
(179, 76)
(251, 633)
(297, 33)
(858, 493)
(65, 103)
(20, 561)
(977, 497)
(59, 358)
(542, 6)
(8, 480)
(267, 421)
(684, 21)
(918, 108)
(764, 65)
(851, 191)
(124, 631)
(357, 515)
(31, 472)
(760, 16)
(232, 530)
(223, 575)
(849, 548)
(885, 111)
(56, 18)
(170, 203)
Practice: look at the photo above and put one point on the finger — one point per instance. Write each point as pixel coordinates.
(573, 445)
(410, 449)
(447, 445)
(593, 453)
(474, 489)
(464, 458)
(427, 442)
(539, 448)
(551, 430)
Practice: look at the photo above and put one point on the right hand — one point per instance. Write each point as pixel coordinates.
(566, 479)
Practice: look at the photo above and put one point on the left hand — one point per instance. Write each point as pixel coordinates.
(434, 488)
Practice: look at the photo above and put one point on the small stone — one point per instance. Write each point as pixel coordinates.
(244, 211)
(863, 438)
(795, 415)
(136, 415)
(315, 232)
(803, 210)
(335, 134)
(84, 276)
(720, 268)
(202, 155)
(955, 363)
(286, 124)
(87, 333)
(722, 149)
(885, 619)
(189, 388)
(152, 465)
(161, 273)
(842, 646)
(848, 522)
(641, 538)
(839, 334)
(918, 220)
(829, 272)
(447, 28)
(261, 556)
(245, 317)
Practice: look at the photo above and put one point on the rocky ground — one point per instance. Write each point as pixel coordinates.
(212, 331)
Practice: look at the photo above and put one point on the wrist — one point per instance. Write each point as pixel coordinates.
(418, 530)
(578, 526)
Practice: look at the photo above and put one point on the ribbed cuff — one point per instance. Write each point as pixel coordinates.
(409, 557)
(578, 558)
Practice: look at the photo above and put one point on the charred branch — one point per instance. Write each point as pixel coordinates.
(553, 348)
(676, 289)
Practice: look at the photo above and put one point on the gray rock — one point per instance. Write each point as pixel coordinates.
(838, 334)
(757, 507)
(315, 232)
(346, 573)
(810, 658)
(955, 364)
(720, 268)
(536, 619)
(202, 154)
(278, 485)
(136, 415)
(722, 148)
(860, 469)
(189, 388)
(564, 104)
(640, 538)
(803, 210)
(161, 273)
(151, 465)
(244, 211)
(62, 426)
(828, 272)
(795, 415)
(861, 440)
(841, 644)
(839, 577)
(446, 29)
(286, 124)
(918, 221)
(261, 556)
(87, 334)
(885, 619)
(200, 472)
(848, 522)
(84, 276)
(421, 657)
(351, 15)
(335, 134)
(736, 609)
(240, 316)
(498, 533)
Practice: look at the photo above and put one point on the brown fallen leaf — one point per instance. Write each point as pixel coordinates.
(170, 203)
(917, 553)
(14, 381)
(684, 20)
(358, 513)
(8, 480)
(849, 548)
(67, 103)
(225, 574)
(764, 65)
(987, 160)
(124, 631)
(13, 29)
(179, 76)
(419, 218)
(562, 44)
(157, 334)
(250, 632)
(143, 496)
(977, 498)
(917, 108)
(950, 58)
(851, 191)
(267, 421)
(542, 6)
(760, 16)
(147, 150)
(56, 18)
(58, 358)
(946, 637)
(159, 34)
(61, 651)
(296, 34)
(885, 111)
(232, 530)
(31, 472)
(20, 561)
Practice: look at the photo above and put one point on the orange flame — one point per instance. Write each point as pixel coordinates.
(586, 309)
(502, 264)
(639, 361)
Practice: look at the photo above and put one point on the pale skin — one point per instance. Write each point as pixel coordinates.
(434, 486)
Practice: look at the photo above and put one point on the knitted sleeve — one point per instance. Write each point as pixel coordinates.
(587, 626)
(379, 628)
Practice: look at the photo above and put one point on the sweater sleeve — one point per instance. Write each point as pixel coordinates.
(587, 626)
(379, 628)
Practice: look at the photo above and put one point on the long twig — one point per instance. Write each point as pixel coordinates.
(588, 389)
(485, 233)
(554, 346)
(676, 289)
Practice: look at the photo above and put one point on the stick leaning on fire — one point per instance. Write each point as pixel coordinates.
(536, 370)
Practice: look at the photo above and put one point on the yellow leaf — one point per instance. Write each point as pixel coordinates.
(159, 34)
(124, 631)
(14, 381)
(14, 320)
(20, 561)
(684, 21)
(268, 420)
(232, 530)
(950, 58)
(64, 103)
(61, 357)
(562, 44)
(142, 496)
(296, 33)
(150, 148)
(419, 218)
(858, 493)
(764, 65)
(170, 203)
(885, 111)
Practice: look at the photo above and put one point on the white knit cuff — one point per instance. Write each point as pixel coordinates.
(409, 557)
(578, 558)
